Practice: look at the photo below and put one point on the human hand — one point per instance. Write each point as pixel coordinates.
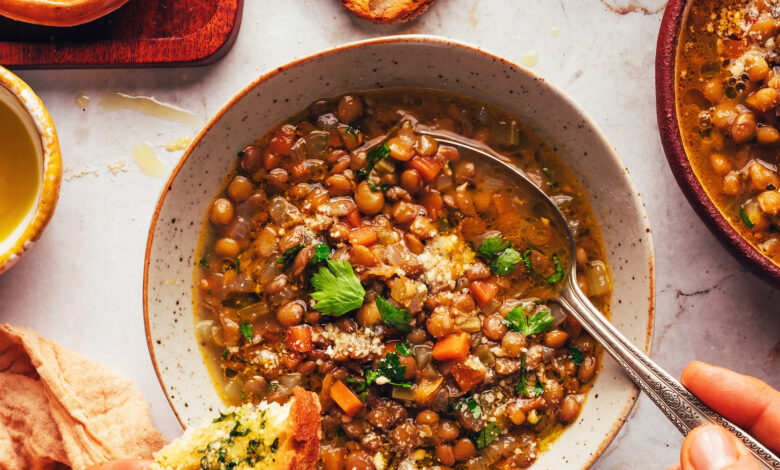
(746, 401)
(124, 464)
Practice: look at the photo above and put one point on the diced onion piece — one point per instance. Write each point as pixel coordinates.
(422, 356)
(485, 355)
(470, 324)
(403, 393)
(598, 279)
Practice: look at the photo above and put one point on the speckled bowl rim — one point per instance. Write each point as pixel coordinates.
(671, 137)
(414, 38)
(51, 164)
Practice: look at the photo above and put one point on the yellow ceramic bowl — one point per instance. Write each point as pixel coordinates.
(29, 108)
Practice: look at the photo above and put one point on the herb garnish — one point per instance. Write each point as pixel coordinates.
(375, 189)
(225, 353)
(473, 406)
(204, 263)
(398, 318)
(391, 369)
(238, 266)
(487, 435)
(553, 278)
(246, 331)
(503, 257)
(337, 289)
(289, 254)
(374, 156)
(360, 387)
(745, 218)
(576, 355)
(492, 246)
(321, 253)
(522, 388)
(404, 349)
(536, 323)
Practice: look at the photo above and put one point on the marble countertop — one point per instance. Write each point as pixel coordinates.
(81, 285)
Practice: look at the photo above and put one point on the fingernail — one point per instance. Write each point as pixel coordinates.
(712, 450)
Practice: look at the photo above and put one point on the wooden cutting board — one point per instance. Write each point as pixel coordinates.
(142, 33)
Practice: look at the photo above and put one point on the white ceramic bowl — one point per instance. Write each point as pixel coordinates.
(401, 61)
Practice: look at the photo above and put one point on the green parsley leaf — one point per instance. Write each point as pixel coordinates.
(246, 330)
(225, 353)
(321, 253)
(404, 349)
(360, 387)
(371, 376)
(576, 355)
(289, 254)
(553, 278)
(375, 189)
(204, 263)
(536, 323)
(492, 246)
(390, 368)
(337, 289)
(538, 389)
(487, 435)
(505, 263)
(476, 410)
(522, 387)
(238, 266)
(745, 218)
(374, 156)
(396, 317)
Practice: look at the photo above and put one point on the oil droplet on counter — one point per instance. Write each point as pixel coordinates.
(82, 101)
(146, 157)
(178, 144)
(150, 106)
(555, 31)
(529, 59)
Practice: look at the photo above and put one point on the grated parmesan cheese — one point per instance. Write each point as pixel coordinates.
(357, 345)
(445, 259)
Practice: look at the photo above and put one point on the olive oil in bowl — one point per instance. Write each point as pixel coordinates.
(20, 168)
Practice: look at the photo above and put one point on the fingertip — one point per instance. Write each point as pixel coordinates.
(675, 467)
(693, 370)
(710, 447)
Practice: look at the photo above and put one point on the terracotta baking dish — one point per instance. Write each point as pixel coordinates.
(668, 125)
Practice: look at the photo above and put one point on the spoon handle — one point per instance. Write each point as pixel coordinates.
(677, 403)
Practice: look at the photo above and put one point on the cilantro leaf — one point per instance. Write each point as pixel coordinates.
(246, 331)
(743, 215)
(576, 355)
(487, 435)
(553, 278)
(396, 317)
(374, 156)
(476, 410)
(492, 246)
(321, 253)
(337, 289)
(404, 349)
(505, 262)
(536, 323)
(204, 263)
(289, 254)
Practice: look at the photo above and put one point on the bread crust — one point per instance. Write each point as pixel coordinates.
(387, 11)
(306, 430)
(58, 12)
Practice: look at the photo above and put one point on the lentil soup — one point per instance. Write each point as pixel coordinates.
(408, 286)
(728, 108)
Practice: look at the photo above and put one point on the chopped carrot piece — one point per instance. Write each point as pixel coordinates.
(298, 170)
(364, 236)
(455, 346)
(345, 398)
(468, 373)
(353, 218)
(427, 167)
(433, 203)
(299, 338)
(483, 291)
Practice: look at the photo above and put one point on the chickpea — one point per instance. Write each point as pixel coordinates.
(338, 185)
(723, 115)
(227, 247)
(763, 29)
(587, 369)
(440, 323)
(239, 189)
(553, 392)
(290, 314)
(713, 90)
(464, 303)
(251, 159)
(582, 256)
(464, 449)
(341, 166)
(568, 409)
(399, 149)
(515, 413)
(362, 256)
(358, 460)
(493, 327)
(427, 146)
(427, 417)
(447, 431)
(445, 454)
(222, 212)
(555, 339)
(411, 366)
(769, 202)
(404, 212)
(349, 109)
(368, 201)
(513, 344)
(720, 163)
(761, 177)
(731, 184)
(756, 68)
(411, 181)
(744, 127)
(767, 135)
(276, 285)
(368, 315)
(762, 100)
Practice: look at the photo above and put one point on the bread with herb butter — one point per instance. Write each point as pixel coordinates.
(263, 436)
(387, 11)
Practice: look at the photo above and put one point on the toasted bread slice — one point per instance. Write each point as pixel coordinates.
(267, 436)
(387, 11)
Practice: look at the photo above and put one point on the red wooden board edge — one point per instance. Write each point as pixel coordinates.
(203, 47)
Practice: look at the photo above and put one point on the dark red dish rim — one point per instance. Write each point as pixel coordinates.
(671, 137)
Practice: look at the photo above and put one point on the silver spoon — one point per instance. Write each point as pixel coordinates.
(679, 405)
